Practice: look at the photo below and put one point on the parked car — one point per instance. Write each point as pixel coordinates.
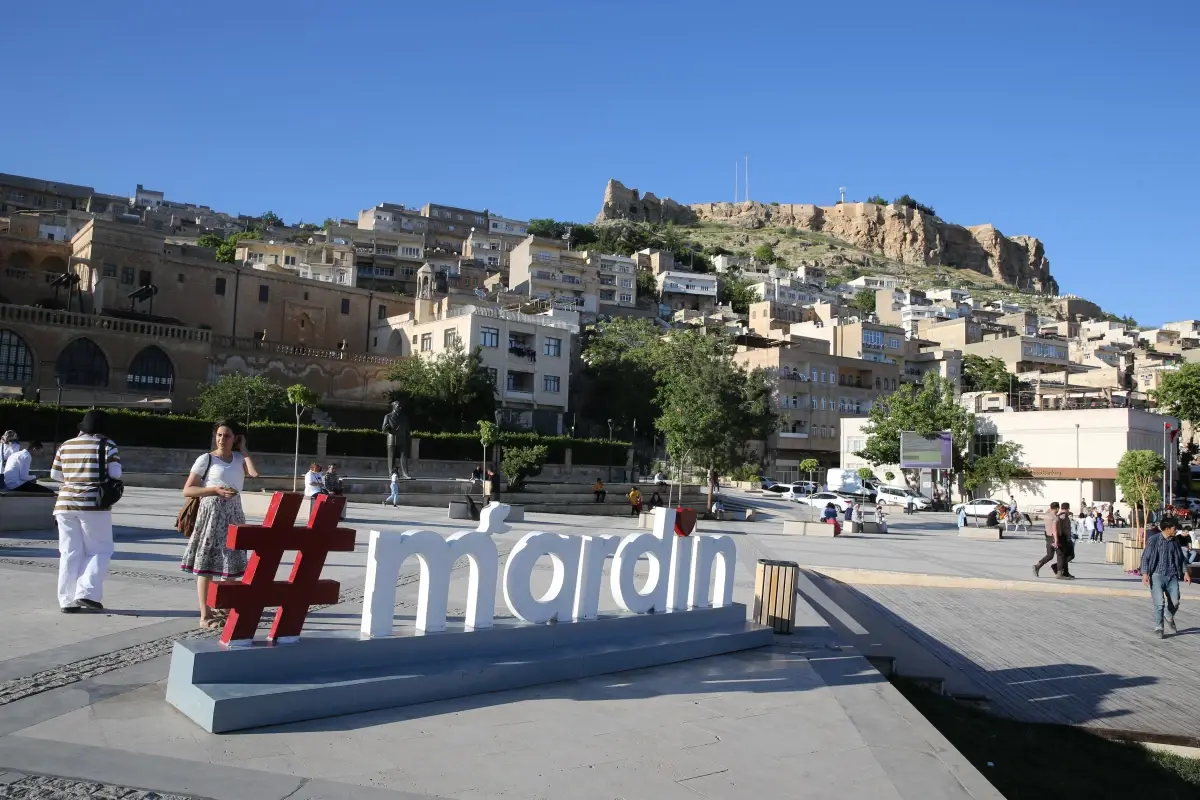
(766, 483)
(820, 499)
(979, 508)
(789, 491)
(898, 496)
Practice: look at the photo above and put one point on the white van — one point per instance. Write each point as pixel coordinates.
(899, 496)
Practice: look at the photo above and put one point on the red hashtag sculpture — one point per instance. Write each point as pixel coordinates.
(258, 589)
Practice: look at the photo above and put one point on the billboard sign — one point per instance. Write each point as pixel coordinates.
(935, 451)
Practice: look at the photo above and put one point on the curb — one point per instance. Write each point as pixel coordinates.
(870, 577)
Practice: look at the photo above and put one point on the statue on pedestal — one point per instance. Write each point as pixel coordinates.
(395, 425)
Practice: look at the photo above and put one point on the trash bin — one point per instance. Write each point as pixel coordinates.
(1113, 552)
(775, 594)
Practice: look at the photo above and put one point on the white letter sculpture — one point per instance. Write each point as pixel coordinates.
(559, 602)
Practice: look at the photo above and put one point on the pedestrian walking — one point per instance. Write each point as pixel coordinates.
(1163, 564)
(1064, 543)
(1089, 526)
(1051, 523)
(216, 480)
(1099, 526)
(635, 501)
(85, 535)
(394, 498)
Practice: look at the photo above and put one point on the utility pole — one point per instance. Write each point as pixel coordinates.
(747, 177)
(736, 178)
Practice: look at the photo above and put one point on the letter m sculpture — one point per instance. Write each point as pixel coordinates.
(258, 590)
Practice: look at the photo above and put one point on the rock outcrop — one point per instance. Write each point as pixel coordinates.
(901, 233)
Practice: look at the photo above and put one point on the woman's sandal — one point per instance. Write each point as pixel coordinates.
(212, 624)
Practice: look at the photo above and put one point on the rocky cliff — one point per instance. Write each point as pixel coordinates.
(901, 233)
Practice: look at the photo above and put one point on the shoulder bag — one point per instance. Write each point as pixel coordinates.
(185, 520)
(111, 489)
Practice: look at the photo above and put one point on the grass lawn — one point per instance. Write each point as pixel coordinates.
(1030, 760)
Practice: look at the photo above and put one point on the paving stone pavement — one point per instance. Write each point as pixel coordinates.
(41, 787)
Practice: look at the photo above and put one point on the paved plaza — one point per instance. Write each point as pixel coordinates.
(82, 709)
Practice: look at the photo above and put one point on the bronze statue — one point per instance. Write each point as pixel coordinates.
(395, 425)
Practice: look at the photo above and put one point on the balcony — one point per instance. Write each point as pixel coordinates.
(30, 315)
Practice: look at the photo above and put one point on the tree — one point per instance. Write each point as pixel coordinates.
(905, 200)
(647, 286)
(866, 474)
(617, 381)
(985, 374)
(999, 467)
(212, 240)
(737, 291)
(302, 399)
(889, 476)
(925, 409)
(270, 218)
(328, 223)
(765, 253)
(449, 392)
(243, 397)
(711, 406)
(877, 200)
(1179, 393)
(810, 466)
(520, 463)
(864, 301)
(1139, 473)
(489, 435)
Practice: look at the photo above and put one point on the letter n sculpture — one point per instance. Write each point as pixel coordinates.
(258, 590)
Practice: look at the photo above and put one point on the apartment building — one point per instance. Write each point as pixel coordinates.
(329, 262)
(393, 218)
(773, 320)
(547, 270)
(656, 262)
(688, 291)
(448, 226)
(384, 258)
(876, 282)
(528, 356)
(815, 390)
(616, 278)
(786, 290)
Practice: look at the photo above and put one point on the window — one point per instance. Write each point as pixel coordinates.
(127, 276)
(873, 338)
(552, 347)
(345, 305)
(16, 362)
(626, 283)
(58, 205)
(814, 374)
(457, 217)
(289, 261)
(179, 277)
(894, 343)
(876, 386)
(550, 383)
(489, 337)
(82, 363)
(626, 298)
(151, 370)
(493, 261)
(823, 376)
(381, 312)
(18, 196)
(451, 227)
(450, 337)
(822, 403)
(264, 293)
(985, 444)
(219, 288)
(426, 342)
(306, 295)
(410, 252)
(110, 270)
(145, 277)
(480, 220)
(608, 294)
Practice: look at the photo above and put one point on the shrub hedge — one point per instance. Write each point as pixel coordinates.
(148, 429)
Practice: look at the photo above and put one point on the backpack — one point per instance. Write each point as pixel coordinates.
(185, 520)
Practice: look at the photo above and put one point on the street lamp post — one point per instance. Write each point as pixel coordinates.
(610, 436)
(1078, 479)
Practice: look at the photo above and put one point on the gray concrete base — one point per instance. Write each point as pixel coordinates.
(224, 689)
(798, 528)
(991, 534)
(26, 511)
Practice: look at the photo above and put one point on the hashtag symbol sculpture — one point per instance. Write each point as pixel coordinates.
(258, 590)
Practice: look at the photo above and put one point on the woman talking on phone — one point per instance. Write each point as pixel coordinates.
(216, 480)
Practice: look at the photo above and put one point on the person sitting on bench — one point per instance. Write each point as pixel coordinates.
(17, 477)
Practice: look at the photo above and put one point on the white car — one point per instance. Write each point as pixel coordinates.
(788, 491)
(979, 508)
(821, 499)
(897, 496)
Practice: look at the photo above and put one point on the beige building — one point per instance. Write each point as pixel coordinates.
(329, 262)
(815, 391)
(449, 227)
(616, 279)
(688, 291)
(547, 270)
(528, 356)
(18, 193)
(393, 218)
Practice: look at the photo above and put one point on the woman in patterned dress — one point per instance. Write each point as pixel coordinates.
(217, 479)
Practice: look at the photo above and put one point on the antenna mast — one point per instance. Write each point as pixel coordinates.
(735, 181)
(747, 178)
(842, 191)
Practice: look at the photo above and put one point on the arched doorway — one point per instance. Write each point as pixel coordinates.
(151, 371)
(82, 363)
(16, 360)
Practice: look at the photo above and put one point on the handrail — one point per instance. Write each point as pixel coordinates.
(76, 319)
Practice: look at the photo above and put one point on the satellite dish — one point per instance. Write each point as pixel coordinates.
(480, 293)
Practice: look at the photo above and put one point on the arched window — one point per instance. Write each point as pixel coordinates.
(151, 371)
(82, 364)
(16, 362)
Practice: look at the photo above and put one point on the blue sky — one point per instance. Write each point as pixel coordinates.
(1074, 121)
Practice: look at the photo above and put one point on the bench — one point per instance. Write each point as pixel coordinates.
(26, 511)
(794, 527)
(991, 534)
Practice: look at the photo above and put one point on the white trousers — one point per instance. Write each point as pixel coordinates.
(85, 546)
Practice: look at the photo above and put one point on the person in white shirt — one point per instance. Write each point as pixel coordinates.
(10, 443)
(17, 477)
(314, 484)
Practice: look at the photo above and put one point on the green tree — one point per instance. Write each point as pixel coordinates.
(647, 286)
(1179, 394)
(864, 301)
(810, 467)
(489, 436)
(866, 474)
(986, 374)
(210, 240)
(765, 253)
(328, 223)
(711, 406)
(999, 467)
(736, 290)
(926, 409)
(243, 397)
(227, 247)
(877, 200)
(1139, 474)
(272, 219)
(449, 392)
(905, 200)
(521, 463)
(617, 381)
(302, 399)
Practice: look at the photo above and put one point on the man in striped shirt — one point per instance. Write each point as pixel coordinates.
(85, 536)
